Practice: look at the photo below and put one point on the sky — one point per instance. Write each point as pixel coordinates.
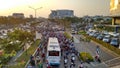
(80, 7)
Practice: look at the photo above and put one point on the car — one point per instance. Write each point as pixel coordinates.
(95, 34)
(91, 33)
(100, 37)
(88, 32)
(116, 34)
(73, 32)
(106, 38)
(105, 32)
(115, 42)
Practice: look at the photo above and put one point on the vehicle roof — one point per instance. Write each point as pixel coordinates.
(114, 38)
(53, 44)
(107, 35)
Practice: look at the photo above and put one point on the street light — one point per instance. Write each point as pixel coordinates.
(35, 9)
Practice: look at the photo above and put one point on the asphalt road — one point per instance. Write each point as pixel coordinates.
(82, 47)
(108, 58)
(77, 61)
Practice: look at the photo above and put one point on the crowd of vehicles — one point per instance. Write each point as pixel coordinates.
(111, 38)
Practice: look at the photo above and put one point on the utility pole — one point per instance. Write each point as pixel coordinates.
(35, 9)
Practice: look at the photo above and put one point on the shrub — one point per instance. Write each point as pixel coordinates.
(85, 56)
(67, 35)
(18, 65)
(81, 32)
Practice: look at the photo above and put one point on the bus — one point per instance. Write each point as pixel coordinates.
(53, 52)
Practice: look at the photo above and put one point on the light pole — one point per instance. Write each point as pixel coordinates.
(35, 9)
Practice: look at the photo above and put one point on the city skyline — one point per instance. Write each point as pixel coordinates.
(80, 7)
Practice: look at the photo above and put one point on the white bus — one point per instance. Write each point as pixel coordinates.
(53, 52)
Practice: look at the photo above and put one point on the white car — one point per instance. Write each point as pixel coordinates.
(91, 33)
(116, 34)
(106, 38)
(105, 32)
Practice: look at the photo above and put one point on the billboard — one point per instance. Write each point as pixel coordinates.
(115, 7)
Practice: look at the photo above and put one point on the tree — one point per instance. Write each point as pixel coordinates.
(11, 43)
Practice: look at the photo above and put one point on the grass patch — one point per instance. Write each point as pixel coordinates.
(22, 60)
(18, 65)
(81, 32)
(107, 45)
(86, 56)
(67, 35)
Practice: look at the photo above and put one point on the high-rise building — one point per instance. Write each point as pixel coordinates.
(115, 11)
(61, 14)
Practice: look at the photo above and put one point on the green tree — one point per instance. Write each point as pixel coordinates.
(11, 43)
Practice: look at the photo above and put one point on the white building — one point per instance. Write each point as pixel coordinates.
(18, 15)
(61, 14)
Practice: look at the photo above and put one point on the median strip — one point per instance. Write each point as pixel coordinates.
(23, 59)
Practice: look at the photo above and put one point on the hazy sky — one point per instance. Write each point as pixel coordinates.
(80, 7)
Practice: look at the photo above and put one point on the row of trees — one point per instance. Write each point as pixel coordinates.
(13, 43)
(13, 21)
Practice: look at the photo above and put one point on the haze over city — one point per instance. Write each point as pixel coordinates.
(60, 34)
(80, 7)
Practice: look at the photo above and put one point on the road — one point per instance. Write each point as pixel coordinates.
(108, 58)
(77, 61)
(90, 48)
(82, 47)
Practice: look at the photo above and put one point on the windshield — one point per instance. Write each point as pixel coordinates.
(115, 41)
(53, 53)
(106, 38)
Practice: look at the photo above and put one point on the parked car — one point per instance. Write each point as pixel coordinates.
(106, 38)
(115, 42)
(91, 33)
(88, 32)
(105, 32)
(73, 32)
(116, 34)
(100, 37)
(95, 34)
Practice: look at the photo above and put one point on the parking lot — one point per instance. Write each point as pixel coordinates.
(108, 37)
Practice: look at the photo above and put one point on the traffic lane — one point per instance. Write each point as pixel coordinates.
(81, 47)
(77, 63)
(105, 55)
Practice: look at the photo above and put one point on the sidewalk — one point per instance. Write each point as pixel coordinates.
(116, 66)
(12, 61)
(19, 53)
